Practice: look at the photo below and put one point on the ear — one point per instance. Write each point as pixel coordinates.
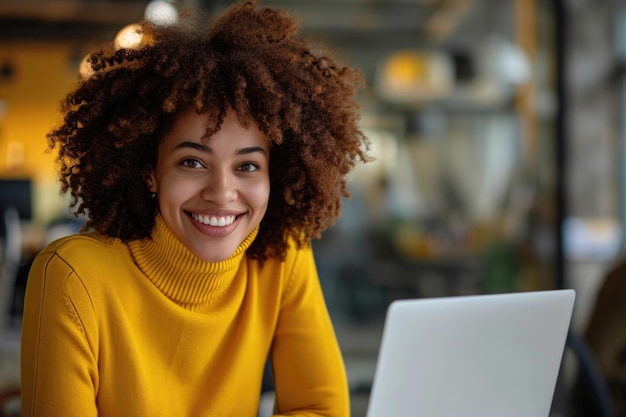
(150, 179)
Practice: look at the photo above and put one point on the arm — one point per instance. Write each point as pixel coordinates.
(308, 367)
(58, 359)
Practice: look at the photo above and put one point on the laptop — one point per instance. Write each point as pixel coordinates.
(490, 355)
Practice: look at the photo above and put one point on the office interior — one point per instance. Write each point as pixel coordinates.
(498, 129)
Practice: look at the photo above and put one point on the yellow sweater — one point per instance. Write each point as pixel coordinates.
(147, 329)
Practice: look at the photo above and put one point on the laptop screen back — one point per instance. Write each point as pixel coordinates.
(472, 356)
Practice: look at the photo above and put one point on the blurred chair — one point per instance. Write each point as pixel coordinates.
(268, 395)
(590, 396)
(604, 338)
(11, 258)
(10, 403)
(9, 333)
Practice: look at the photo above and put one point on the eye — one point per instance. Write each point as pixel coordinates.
(191, 163)
(248, 167)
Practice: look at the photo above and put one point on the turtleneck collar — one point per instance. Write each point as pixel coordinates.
(178, 273)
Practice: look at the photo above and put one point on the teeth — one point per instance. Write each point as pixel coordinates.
(213, 220)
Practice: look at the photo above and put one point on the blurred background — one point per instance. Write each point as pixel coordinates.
(498, 128)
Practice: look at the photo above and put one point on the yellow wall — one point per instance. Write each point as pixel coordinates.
(43, 72)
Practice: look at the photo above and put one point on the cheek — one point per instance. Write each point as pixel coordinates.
(263, 194)
(174, 191)
(257, 196)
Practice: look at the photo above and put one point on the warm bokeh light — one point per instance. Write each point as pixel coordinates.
(84, 69)
(404, 69)
(412, 75)
(130, 37)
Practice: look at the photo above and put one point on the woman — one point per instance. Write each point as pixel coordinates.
(205, 160)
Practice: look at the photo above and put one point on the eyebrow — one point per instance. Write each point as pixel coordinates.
(203, 148)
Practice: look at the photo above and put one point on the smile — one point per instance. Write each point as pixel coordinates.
(214, 220)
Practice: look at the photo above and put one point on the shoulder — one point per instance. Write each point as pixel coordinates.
(295, 256)
(299, 256)
(85, 249)
(79, 268)
(83, 243)
(298, 268)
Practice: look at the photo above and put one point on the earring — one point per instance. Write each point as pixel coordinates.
(153, 195)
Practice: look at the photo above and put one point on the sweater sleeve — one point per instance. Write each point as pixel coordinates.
(308, 367)
(58, 353)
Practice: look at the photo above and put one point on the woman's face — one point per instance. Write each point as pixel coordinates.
(212, 194)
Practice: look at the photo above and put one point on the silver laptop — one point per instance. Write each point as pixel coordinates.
(494, 355)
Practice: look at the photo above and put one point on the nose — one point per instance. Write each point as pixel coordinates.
(220, 188)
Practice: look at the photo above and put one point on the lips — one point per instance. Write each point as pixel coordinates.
(216, 221)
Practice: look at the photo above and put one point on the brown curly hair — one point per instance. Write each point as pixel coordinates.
(251, 59)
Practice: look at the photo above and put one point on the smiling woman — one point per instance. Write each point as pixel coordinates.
(205, 161)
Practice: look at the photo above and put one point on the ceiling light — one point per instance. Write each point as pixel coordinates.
(161, 12)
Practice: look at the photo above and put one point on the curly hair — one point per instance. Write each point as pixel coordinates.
(252, 60)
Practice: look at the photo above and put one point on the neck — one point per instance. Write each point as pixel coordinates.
(178, 273)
